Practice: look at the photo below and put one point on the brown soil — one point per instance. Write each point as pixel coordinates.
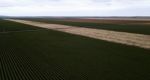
(141, 22)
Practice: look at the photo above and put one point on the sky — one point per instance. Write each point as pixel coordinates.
(75, 7)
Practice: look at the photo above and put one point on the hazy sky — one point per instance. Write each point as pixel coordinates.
(75, 7)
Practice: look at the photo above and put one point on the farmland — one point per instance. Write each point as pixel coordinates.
(132, 26)
(46, 54)
(138, 40)
(11, 26)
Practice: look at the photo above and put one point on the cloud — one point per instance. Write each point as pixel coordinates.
(71, 7)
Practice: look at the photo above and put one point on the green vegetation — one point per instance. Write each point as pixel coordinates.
(11, 26)
(52, 55)
(134, 28)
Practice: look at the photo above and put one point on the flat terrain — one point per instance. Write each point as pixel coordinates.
(11, 26)
(138, 40)
(131, 26)
(121, 18)
(52, 55)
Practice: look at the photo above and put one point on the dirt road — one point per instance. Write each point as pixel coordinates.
(139, 40)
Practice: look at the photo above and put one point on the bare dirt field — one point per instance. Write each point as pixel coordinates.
(139, 40)
(109, 21)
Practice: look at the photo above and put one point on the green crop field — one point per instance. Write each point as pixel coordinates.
(123, 27)
(52, 55)
(11, 26)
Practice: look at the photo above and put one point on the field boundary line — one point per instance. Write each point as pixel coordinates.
(132, 39)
